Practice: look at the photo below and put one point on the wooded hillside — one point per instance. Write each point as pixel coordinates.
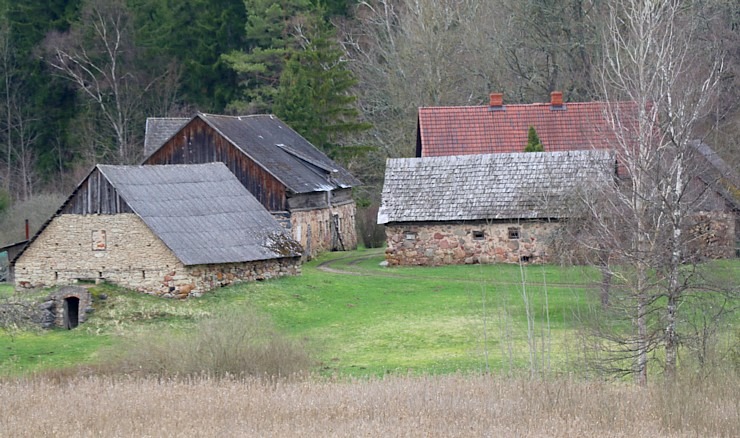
(79, 77)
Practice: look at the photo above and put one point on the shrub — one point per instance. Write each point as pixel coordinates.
(238, 342)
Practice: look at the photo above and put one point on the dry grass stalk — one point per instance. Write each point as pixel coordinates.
(446, 406)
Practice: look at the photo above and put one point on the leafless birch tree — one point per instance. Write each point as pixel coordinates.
(99, 57)
(659, 79)
(18, 131)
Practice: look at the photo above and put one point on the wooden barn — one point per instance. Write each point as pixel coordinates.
(305, 190)
(168, 230)
(495, 208)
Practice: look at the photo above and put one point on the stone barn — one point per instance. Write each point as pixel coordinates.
(483, 208)
(174, 230)
(307, 192)
(572, 126)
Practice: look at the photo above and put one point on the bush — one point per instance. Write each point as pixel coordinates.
(239, 342)
(370, 233)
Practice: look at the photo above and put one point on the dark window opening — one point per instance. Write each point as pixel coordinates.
(524, 259)
(56, 276)
(478, 235)
(143, 274)
(513, 233)
(71, 312)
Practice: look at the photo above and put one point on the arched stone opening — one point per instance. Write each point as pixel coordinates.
(71, 312)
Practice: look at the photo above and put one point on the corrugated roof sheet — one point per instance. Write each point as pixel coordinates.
(282, 152)
(159, 130)
(201, 212)
(494, 186)
(483, 130)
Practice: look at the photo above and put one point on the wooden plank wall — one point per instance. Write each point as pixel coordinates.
(96, 196)
(198, 143)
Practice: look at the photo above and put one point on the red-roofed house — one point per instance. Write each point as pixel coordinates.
(572, 126)
(499, 128)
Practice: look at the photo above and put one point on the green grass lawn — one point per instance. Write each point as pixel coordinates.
(367, 320)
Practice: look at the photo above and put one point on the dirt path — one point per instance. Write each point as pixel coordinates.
(352, 258)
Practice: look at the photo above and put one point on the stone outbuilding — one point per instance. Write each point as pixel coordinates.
(483, 208)
(305, 190)
(174, 230)
(574, 126)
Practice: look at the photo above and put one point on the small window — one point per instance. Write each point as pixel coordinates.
(524, 259)
(513, 233)
(478, 235)
(410, 235)
(98, 240)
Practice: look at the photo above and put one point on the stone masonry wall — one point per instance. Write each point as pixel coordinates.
(313, 228)
(121, 249)
(433, 244)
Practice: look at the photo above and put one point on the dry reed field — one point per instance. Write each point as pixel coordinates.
(444, 406)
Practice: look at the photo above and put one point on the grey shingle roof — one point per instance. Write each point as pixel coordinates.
(201, 212)
(716, 173)
(283, 152)
(159, 130)
(494, 186)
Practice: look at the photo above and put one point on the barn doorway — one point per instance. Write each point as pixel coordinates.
(71, 312)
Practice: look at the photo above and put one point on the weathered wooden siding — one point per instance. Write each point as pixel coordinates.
(96, 196)
(198, 143)
(310, 201)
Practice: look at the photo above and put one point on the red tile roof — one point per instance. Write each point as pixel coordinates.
(483, 130)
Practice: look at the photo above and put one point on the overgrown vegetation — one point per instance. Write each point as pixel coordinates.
(370, 321)
(236, 342)
(206, 364)
(445, 406)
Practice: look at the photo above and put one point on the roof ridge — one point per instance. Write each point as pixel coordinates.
(533, 104)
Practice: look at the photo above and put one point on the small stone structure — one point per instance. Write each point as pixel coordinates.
(468, 242)
(66, 308)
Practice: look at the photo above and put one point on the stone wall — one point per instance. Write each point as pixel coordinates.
(447, 243)
(121, 249)
(315, 231)
(55, 307)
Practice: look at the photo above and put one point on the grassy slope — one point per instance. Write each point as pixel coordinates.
(378, 321)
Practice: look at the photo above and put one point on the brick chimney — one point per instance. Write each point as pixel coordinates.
(556, 100)
(497, 102)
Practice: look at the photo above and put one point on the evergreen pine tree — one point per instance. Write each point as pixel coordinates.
(313, 95)
(269, 43)
(533, 141)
